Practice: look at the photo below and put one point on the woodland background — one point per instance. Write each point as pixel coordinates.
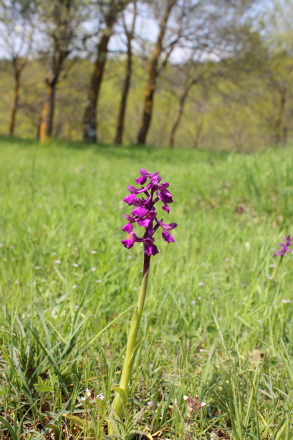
(208, 74)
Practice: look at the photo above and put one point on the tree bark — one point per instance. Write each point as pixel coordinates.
(90, 114)
(124, 96)
(179, 113)
(153, 73)
(59, 19)
(279, 121)
(46, 125)
(127, 80)
(14, 104)
(199, 131)
(90, 123)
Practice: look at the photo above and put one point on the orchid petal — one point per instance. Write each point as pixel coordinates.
(139, 211)
(128, 243)
(145, 223)
(151, 214)
(142, 190)
(128, 228)
(155, 178)
(130, 218)
(166, 208)
(151, 250)
(137, 202)
(141, 180)
(132, 189)
(165, 196)
(144, 172)
(148, 241)
(168, 237)
(168, 227)
(129, 199)
(135, 238)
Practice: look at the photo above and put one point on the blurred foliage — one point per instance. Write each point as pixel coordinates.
(238, 105)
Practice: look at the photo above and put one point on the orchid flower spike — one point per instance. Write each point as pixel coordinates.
(145, 214)
(284, 246)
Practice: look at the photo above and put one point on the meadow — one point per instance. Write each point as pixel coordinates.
(218, 317)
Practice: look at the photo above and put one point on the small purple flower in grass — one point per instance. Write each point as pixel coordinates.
(288, 241)
(145, 214)
(284, 247)
(193, 404)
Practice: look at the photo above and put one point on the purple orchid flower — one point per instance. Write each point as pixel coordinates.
(145, 214)
(284, 247)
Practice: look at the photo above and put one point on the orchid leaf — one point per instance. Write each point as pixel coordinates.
(82, 423)
(55, 428)
(122, 394)
(135, 350)
(9, 428)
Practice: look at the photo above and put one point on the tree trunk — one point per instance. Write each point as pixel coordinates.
(179, 113)
(69, 131)
(199, 130)
(14, 104)
(153, 74)
(90, 123)
(125, 91)
(90, 119)
(279, 121)
(46, 125)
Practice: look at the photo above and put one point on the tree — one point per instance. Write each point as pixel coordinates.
(274, 103)
(109, 12)
(194, 74)
(183, 26)
(276, 24)
(16, 41)
(163, 13)
(129, 33)
(218, 34)
(60, 22)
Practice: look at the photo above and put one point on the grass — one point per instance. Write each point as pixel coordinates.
(214, 324)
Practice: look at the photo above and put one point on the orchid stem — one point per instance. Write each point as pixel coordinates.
(132, 346)
(278, 267)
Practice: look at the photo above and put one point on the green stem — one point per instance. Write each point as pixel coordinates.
(132, 346)
(277, 270)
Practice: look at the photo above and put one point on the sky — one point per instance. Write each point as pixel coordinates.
(146, 30)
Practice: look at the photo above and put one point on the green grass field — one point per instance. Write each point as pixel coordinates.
(215, 322)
